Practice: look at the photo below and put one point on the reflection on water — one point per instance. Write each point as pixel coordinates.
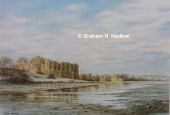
(68, 95)
(105, 94)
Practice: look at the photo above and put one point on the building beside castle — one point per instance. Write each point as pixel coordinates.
(112, 79)
(45, 66)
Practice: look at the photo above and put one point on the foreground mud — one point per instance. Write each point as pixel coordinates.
(145, 108)
(23, 108)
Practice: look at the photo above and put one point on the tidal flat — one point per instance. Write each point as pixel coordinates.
(130, 98)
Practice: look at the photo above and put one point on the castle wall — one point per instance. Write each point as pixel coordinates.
(46, 66)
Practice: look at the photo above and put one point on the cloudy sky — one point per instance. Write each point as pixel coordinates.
(49, 28)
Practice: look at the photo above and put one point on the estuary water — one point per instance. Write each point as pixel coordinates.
(28, 98)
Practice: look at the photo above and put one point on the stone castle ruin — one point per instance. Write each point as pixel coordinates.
(41, 65)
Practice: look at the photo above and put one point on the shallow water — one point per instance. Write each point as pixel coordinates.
(126, 94)
(52, 95)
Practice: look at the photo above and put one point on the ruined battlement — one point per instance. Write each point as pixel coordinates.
(46, 66)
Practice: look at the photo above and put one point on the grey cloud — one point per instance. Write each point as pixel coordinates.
(28, 36)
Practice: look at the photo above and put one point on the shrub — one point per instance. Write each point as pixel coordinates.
(51, 76)
(22, 78)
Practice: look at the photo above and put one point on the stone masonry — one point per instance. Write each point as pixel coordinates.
(45, 66)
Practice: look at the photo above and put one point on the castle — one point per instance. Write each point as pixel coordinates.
(45, 66)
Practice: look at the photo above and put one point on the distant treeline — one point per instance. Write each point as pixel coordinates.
(125, 77)
(89, 77)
